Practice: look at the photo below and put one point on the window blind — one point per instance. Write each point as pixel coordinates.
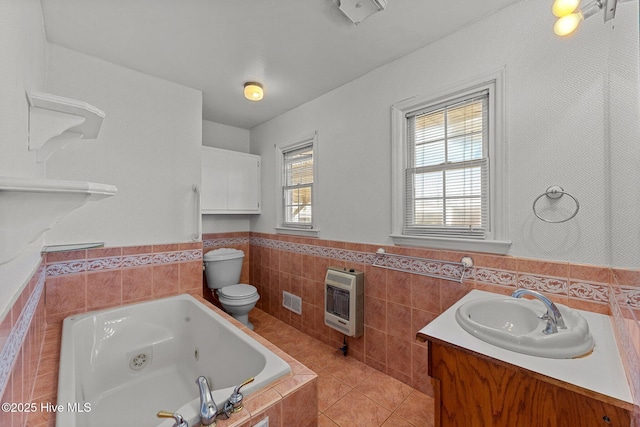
(298, 186)
(447, 169)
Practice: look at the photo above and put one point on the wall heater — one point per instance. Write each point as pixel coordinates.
(344, 301)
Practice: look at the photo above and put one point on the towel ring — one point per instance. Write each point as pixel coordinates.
(555, 192)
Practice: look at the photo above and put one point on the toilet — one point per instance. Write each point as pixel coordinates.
(222, 269)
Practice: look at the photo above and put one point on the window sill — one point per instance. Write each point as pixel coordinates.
(306, 232)
(499, 247)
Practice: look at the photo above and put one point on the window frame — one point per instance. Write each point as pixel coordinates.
(495, 240)
(282, 227)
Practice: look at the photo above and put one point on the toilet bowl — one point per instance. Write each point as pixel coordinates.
(222, 269)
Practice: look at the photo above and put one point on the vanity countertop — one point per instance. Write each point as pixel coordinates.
(601, 371)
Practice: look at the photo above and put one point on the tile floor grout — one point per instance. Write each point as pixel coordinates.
(350, 393)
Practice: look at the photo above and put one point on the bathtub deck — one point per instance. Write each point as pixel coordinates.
(350, 393)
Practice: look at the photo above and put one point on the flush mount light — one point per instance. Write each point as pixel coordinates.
(253, 91)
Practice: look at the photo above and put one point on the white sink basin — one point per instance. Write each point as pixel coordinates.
(513, 324)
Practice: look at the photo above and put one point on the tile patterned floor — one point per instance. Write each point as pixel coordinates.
(350, 393)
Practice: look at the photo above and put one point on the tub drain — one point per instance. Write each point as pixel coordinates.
(139, 361)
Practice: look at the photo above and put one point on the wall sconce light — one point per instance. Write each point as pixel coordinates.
(570, 15)
(253, 91)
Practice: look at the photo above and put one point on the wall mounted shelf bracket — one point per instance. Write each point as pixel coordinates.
(55, 121)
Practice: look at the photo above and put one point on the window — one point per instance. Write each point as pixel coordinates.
(298, 186)
(297, 207)
(448, 169)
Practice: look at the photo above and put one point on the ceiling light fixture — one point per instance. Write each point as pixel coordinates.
(570, 15)
(253, 91)
(359, 10)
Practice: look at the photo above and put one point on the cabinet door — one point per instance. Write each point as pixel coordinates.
(243, 188)
(214, 180)
(477, 391)
(230, 182)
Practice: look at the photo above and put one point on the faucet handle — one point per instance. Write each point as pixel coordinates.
(552, 326)
(180, 421)
(236, 397)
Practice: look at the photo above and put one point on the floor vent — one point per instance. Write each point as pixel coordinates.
(292, 302)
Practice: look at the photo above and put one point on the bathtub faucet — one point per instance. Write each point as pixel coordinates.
(179, 420)
(208, 408)
(234, 403)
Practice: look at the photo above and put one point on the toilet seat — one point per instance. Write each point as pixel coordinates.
(238, 292)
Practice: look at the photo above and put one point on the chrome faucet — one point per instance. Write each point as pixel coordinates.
(552, 316)
(208, 408)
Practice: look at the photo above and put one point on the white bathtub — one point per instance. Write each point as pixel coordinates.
(121, 366)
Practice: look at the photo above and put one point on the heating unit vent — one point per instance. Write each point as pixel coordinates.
(344, 301)
(292, 302)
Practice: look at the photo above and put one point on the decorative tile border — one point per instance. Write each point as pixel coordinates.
(446, 270)
(579, 289)
(136, 260)
(431, 268)
(442, 269)
(113, 263)
(227, 241)
(589, 291)
(552, 285)
(321, 251)
(16, 338)
(496, 277)
(630, 296)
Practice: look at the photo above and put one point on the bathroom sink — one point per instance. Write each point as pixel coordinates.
(514, 324)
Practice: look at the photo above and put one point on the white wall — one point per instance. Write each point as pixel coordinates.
(149, 147)
(624, 144)
(228, 138)
(556, 128)
(22, 68)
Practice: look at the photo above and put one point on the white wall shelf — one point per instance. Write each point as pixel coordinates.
(71, 247)
(55, 121)
(29, 207)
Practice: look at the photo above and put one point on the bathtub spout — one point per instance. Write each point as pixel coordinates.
(208, 408)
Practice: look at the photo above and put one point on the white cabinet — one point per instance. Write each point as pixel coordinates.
(230, 182)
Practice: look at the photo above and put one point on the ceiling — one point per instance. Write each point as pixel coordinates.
(298, 49)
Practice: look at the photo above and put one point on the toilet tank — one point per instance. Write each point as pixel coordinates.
(223, 267)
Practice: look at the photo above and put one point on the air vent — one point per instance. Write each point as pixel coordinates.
(292, 302)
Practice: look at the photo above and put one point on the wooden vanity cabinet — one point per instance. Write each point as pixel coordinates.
(472, 390)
